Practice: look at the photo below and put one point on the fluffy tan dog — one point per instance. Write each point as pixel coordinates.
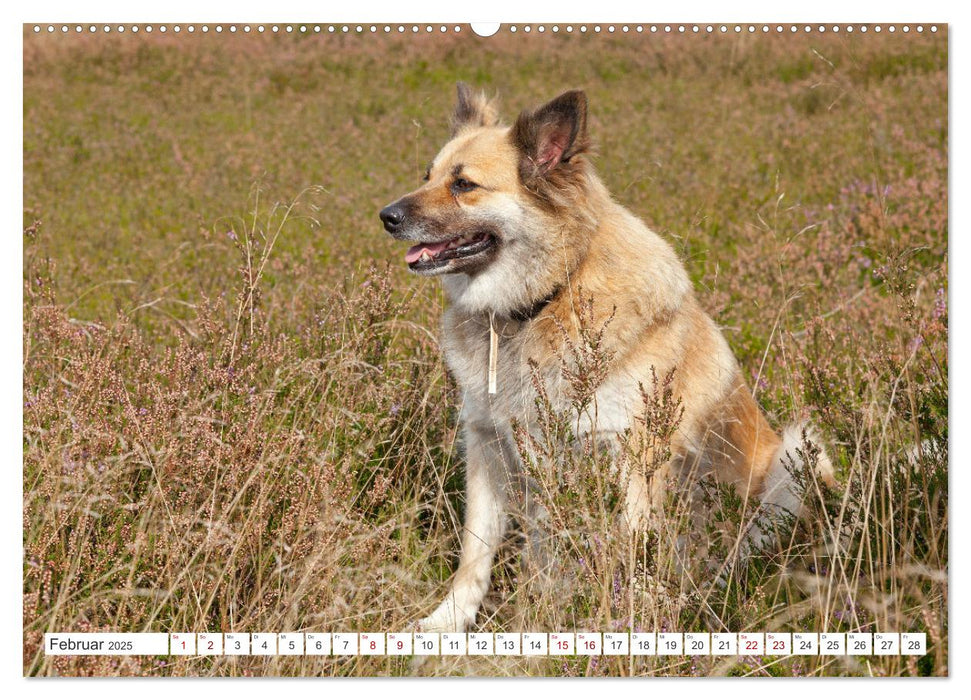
(523, 234)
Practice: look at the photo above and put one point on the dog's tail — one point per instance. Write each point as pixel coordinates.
(800, 452)
(798, 467)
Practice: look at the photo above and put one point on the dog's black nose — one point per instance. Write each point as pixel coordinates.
(392, 216)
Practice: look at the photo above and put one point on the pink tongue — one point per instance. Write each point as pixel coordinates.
(414, 253)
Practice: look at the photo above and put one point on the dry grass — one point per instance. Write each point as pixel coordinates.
(236, 417)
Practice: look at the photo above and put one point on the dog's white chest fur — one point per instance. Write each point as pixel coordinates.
(520, 365)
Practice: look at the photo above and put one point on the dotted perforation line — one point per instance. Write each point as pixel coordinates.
(513, 29)
(719, 28)
(245, 28)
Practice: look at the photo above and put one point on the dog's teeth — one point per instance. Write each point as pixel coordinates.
(425, 257)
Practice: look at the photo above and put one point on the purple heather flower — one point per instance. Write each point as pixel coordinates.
(940, 305)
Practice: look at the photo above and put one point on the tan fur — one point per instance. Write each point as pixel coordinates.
(562, 237)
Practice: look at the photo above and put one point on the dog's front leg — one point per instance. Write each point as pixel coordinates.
(485, 522)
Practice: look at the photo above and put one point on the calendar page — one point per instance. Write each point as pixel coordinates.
(368, 349)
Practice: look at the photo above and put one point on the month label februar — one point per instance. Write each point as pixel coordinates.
(106, 644)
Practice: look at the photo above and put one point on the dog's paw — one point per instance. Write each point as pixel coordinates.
(438, 623)
(442, 620)
(430, 624)
(446, 618)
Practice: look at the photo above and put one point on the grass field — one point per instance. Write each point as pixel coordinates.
(236, 415)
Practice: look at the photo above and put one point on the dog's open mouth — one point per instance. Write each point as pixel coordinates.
(428, 257)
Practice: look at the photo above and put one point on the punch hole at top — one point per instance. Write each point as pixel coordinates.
(485, 28)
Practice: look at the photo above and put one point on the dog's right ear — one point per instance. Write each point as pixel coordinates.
(472, 109)
(552, 134)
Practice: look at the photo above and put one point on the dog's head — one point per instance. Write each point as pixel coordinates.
(497, 212)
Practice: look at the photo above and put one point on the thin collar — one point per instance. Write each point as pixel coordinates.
(530, 312)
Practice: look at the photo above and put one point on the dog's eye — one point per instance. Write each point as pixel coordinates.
(463, 185)
(428, 174)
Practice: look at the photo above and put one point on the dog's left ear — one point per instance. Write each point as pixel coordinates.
(472, 109)
(552, 134)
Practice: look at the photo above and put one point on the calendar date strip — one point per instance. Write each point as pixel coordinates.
(486, 644)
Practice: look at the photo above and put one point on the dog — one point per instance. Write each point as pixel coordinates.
(523, 233)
